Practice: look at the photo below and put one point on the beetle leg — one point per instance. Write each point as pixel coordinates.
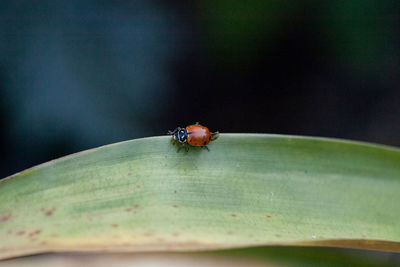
(187, 147)
(180, 147)
(206, 147)
(214, 135)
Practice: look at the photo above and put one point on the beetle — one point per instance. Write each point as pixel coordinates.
(193, 135)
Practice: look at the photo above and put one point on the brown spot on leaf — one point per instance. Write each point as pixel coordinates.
(114, 225)
(48, 212)
(20, 232)
(268, 216)
(233, 215)
(9, 232)
(129, 174)
(132, 208)
(229, 232)
(138, 186)
(43, 243)
(54, 235)
(175, 206)
(5, 218)
(175, 234)
(278, 235)
(35, 233)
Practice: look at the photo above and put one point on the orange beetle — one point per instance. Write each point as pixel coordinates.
(194, 135)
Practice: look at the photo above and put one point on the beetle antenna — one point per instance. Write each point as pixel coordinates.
(174, 131)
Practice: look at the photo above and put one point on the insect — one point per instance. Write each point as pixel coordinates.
(193, 135)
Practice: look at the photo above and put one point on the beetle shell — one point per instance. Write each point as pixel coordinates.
(198, 135)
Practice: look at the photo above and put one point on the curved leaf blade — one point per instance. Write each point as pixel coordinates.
(248, 190)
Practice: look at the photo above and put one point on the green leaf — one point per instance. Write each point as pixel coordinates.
(248, 190)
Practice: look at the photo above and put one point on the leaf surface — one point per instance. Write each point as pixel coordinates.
(248, 190)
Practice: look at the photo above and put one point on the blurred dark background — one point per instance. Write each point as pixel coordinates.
(79, 74)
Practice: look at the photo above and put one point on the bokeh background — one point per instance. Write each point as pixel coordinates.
(79, 74)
